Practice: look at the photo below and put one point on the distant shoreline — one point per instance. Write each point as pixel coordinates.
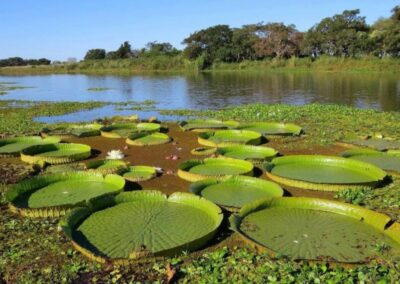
(178, 64)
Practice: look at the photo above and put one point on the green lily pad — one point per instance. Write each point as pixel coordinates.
(248, 152)
(223, 138)
(138, 224)
(236, 191)
(53, 195)
(374, 143)
(123, 130)
(59, 153)
(13, 146)
(316, 229)
(74, 130)
(200, 125)
(194, 170)
(140, 173)
(146, 139)
(319, 172)
(203, 151)
(107, 166)
(273, 128)
(387, 161)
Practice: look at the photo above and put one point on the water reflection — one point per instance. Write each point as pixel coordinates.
(217, 90)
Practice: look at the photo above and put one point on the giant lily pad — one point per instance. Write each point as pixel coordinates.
(123, 130)
(53, 195)
(59, 153)
(236, 191)
(107, 166)
(146, 139)
(388, 161)
(220, 168)
(319, 172)
(272, 128)
(133, 225)
(13, 146)
(248, 152)
(223, 138)
(316, 229)
(73, 130)
(380, 144)
(140, 173)
(207, 125)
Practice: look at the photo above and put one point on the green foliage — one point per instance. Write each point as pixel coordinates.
(97, 53)
(354, 196)
(18, 61)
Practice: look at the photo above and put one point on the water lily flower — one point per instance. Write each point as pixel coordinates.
(115, 155)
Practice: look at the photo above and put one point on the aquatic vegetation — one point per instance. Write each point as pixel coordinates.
(222, 138)
(124, 227)
(108, 166)
(124, 130)
(60, 153)
(54, 195)
(139, 173)
(236, 191)
(301, 228)
(146, 139)
(248, 152)
(207, 125)
(115, 155)
(98, 89)
(326, 173)
(73, 130)
(272, 128)
(380, 144)
(388, 161)
(203, 151)
(219, 168)
(13, 146)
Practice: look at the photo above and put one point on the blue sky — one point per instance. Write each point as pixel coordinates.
(61, 29)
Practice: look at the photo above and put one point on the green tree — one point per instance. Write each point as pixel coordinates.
(160, 48)
(213, 43)
(277, 40)
(96, 53)
(124, 51)
(386, 35)
(341, 35)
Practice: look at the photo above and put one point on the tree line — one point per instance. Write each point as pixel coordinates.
(18, 61)
(342, 35)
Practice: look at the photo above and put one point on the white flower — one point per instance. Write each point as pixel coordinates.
(159, 170)
(115, 155)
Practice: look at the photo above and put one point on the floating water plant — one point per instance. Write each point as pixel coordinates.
(74, 130)
(316, 229)
(248, 152)
(54, 195)
(147, 138)
(326, 173)
(223, 138)
(59, 153)
(207, 125)
(134, 225)
(123, 130)
(219, 168)
(272, 128)
(140, 173)
(379, 144)
(236, 191)
(13, 146)
(388, 161)
(203, 151)
(107, 166)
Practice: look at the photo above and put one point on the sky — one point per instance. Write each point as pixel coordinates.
(61, 29)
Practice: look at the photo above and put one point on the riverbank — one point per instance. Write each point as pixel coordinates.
(179, 64)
